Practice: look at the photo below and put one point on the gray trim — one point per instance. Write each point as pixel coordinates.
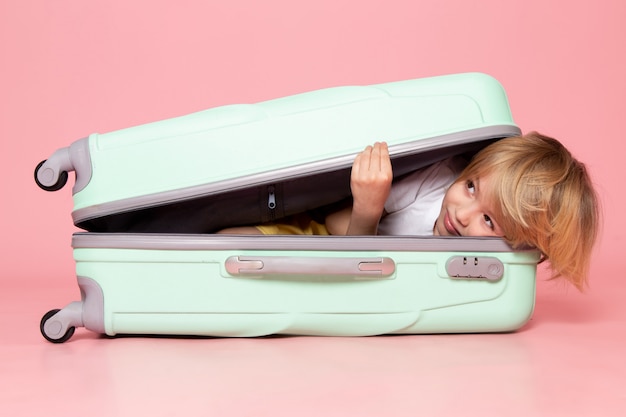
(327, 165)
(81, 160)
(92, 304)
(186, 242)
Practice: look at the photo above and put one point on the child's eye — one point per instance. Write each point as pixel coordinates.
(488, 221)
(470, 186)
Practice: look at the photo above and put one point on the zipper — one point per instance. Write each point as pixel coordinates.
(271, 202)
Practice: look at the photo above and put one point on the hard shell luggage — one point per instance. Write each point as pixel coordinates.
(149, 198)
(217, 285)
(252, 163)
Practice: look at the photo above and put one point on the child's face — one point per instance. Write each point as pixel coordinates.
(467, 210)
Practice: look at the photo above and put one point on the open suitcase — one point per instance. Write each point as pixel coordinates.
(150, 198)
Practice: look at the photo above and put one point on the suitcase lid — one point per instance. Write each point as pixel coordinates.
(252, 163)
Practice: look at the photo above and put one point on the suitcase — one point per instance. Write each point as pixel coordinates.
(254, 163)
(150, 197)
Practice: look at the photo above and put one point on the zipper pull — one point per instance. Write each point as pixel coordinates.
(271, 198)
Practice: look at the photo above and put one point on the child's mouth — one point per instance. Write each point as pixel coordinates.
(449, 226)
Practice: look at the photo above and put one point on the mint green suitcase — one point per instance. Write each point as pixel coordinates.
(150, 197)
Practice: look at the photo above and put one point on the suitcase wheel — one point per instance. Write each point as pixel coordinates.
(53, 338)
(60, 182)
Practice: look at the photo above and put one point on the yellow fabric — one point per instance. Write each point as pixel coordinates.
(299, 224)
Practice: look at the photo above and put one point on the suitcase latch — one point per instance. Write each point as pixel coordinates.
(475, 267)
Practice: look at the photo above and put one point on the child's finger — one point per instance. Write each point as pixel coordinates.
(380, 157)
(358, 163)
(375, 157)
(362, 160)
(385, 160)
(355, 165)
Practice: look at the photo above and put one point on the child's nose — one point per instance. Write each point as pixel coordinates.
(464, 214)
(461, 216)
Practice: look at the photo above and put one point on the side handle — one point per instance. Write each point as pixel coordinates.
(295, 266)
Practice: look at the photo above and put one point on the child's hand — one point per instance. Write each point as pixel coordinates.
(370, 182)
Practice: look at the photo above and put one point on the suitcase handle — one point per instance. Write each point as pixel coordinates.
(260, 266)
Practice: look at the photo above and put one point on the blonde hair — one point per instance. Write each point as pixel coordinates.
(546, 200)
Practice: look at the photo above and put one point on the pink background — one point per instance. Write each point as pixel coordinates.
(73, 67)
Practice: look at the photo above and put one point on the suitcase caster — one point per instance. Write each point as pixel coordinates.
(47, 181)
(51, 174)
(52, 331)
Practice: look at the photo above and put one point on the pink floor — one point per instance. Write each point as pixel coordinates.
(568, 361)
(71, 68)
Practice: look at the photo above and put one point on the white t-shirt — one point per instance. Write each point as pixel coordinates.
(414, 201)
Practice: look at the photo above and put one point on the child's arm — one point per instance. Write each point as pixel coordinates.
(370, 182)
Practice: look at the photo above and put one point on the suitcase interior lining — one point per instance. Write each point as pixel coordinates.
(245, 206)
